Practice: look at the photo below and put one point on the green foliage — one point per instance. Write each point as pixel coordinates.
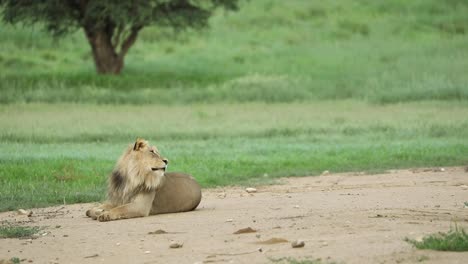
(60, 17)
(9, 231)
(111, 27)
(454, 240)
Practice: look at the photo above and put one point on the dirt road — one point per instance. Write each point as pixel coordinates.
(343, 218)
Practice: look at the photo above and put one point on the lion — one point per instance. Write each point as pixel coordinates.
(140, 186)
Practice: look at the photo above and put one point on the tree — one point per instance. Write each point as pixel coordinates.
(111, 27)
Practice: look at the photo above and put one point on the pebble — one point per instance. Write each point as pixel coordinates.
(324, 173)
(464, 187)
(251, 190)
(298, 244)
(157, 232)
(245, 230)
(147, 252)
(175, 245)
(229, 220)
(25, 212)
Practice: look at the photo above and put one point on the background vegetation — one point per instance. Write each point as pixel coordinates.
(456, 239)
(279, 88)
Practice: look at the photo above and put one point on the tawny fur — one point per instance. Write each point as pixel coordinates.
(139, 186)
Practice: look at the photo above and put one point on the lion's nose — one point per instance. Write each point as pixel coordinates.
(166, 161)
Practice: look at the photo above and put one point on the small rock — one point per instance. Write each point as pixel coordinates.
(257, 235)
(229, 220)
(296, 206)
(245, 230)
(117, 244)
(298, 244)
(251, 190)
(157, 232)
(222, 195)
(441, 169)
(147, 252)
(324, 173)
(176, 245)
(260, 249)
(464, 187)
(25, 212)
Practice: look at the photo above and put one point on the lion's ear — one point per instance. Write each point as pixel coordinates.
(139, 144)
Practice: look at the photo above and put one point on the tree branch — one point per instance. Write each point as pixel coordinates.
(118, 34)
(129, 41)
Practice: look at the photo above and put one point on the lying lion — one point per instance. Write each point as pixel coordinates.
(139, 186)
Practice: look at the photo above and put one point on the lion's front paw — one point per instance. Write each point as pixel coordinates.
(104, 217)
(94, 212)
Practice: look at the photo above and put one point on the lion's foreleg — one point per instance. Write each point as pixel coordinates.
(139, 207)
(96, 211)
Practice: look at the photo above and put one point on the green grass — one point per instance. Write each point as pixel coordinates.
(280, 88)
(54, 154)
(269, 51)
(15, 260)
(454, 240)
(9, 231)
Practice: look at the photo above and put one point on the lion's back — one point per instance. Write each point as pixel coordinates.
(179, 193)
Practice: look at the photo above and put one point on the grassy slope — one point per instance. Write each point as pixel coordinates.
(270, 51)
(62, 153)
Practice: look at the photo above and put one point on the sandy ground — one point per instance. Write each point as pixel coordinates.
(343, 218)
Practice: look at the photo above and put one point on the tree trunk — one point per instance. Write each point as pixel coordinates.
(106, 57)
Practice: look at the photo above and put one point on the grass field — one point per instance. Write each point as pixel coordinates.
(279, 88)
(270, 51)
(63, 153)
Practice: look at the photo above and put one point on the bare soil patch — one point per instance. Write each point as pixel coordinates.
(345, 218)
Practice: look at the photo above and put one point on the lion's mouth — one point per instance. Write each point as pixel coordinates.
(160, 168)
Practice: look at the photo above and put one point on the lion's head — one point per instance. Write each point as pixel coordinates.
(140, 168)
